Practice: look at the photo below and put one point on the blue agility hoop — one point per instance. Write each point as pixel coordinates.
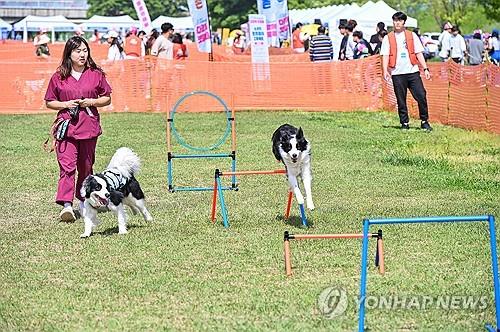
(182, 141)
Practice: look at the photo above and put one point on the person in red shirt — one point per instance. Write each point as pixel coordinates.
(298, 39)
(133, 45)
(180, 50)
(75, 90)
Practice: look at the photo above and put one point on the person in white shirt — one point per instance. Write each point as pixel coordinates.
(115, 51)
(351, 45)
(444, 41)
(163, 47)
(41, 42)
(402, 52)
(457, 46)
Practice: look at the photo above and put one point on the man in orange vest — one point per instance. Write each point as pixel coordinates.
(133, 45)
(402, 53)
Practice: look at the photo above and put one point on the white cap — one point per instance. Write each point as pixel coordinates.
(112, 34)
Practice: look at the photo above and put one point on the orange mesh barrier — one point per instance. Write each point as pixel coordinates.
(493, 99)
(462, 96)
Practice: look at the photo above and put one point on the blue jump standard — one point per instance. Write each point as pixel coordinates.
(303, 215)
(364, 257)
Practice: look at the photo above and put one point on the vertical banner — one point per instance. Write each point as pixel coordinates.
(276, 12)
(257, 29)
(199, 12)
(261, 73)
(143, 14)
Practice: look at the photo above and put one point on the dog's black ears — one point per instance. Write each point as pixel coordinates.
(116, 197)
(86, 185)
(300, 133)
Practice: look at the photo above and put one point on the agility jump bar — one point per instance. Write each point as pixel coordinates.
(218, 193)
(392, 221)
(171, 156)
(379, 255)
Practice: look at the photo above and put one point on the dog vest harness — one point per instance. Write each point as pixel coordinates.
(116, 181)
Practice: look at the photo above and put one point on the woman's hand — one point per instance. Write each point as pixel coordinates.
(71, 103)
(87, 102)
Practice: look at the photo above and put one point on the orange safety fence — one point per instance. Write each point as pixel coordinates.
(467, 97)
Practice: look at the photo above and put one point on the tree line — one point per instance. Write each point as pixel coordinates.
(466, 14)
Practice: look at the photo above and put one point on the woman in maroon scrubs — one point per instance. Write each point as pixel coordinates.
(79, 84)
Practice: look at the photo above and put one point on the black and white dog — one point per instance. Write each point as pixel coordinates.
(290, 147)
(113, 188)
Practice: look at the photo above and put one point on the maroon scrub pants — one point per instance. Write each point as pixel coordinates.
(73, 156)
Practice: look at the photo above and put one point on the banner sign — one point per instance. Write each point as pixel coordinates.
(258, 38)
(143, 14)
(199, 12)
(276, 12)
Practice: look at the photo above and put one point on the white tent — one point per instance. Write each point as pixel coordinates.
(35, 23)
(105, 23)
(368, 18)
(379, 12)
(51, 23)
(179, 23)
(367, 15)
(4, 25)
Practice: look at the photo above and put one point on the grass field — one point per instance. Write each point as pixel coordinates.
(183, 273)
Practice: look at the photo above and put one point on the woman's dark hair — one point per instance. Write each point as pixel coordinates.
(116, 41)
(66, 65)
(357, 34)
(399, 16)
(494, 33)
(381, 26)
(151, 40)
(177, 38)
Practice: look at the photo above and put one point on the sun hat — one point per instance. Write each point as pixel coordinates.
(112, 34)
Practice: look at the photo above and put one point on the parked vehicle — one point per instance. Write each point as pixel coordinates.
(431, 42)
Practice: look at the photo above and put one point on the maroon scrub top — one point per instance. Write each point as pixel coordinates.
(92, 84)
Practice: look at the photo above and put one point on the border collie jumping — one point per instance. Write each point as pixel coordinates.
(113, 188)
(290, 147)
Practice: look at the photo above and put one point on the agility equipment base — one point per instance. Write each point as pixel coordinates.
(379, 255)
(392, 221)
(217, 189)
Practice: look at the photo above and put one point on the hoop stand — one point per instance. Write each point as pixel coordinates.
(205, 152)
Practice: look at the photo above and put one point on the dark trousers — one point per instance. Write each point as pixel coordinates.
(413, 82)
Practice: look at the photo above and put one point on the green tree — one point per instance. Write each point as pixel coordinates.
(492, 9)
(230, 13)
(126, 7)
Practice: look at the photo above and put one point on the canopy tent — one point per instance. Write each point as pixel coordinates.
(35, 23)
(180, 23)
(380, 12)
(367, 15)
(50, 23)
(4, 25)
(105, 23)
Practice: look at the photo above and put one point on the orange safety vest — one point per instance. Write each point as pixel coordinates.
(133, 45)
(297, 42)
(177, 48)
(393, 48)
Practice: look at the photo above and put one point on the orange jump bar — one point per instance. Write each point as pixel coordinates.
(380, 261)
(276, 171)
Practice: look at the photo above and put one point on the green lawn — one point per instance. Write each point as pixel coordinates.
(184, 273)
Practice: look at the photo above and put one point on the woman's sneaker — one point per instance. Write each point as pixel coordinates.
(67, 214)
